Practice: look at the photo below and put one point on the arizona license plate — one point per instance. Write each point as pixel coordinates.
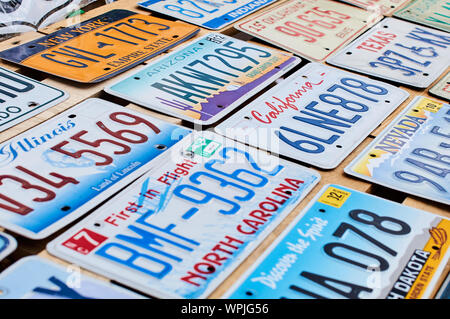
(433, 13)
(411, 154)
(348, 244)
(313, 29)
(91, 150)
(7, 245)
(184, 226)
(101, 47)
(442, 88)
(385, 7)
(318, 115)
(208, 14)
(205, 80)
(399, 51)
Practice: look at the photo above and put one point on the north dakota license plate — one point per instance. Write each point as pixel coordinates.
(318, 115)
(348, 244)
(398, 51)
(205, 80)
(7, 245)
(433, 13)
(385, 7)
(442, 88)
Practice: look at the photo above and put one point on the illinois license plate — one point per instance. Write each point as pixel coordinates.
(318, 115)
(7, 245)
(184, 226)
(398, 51)
(208, 14)
(101, 47)
(91, 150)
(385, 7)
(348, 244)
(206, 79)
(433, 13)
(411, 154)
(313, 29)
(442, 88)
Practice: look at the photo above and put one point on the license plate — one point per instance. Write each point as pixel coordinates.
(442, 88)
(101, 47)
(7, 245)
(208, 14)
(318, 115)
(398, 51)
(385, 7)
(411, 154)
(444, 292)
(205, 80)
(313, 29)
(375, 249)
(22, 98)
(91, 150)
(38, 278)
(433, 13)
(185, 225)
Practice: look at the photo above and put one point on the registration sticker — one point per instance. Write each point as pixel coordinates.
(385, 7)
(442, 88)
(411, 154)
(433, 13)
(7, 245)
(368, 248)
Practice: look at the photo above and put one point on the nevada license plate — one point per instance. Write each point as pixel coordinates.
(442, 88)
(398, 51)
(385, 7)
(375, 249)
(208, 14)
(90, 150)
(411, 154)
(205, 80)
(318, 115)
(101, 47)
(433, 13)
(184, 226)
(7, 245)
(313, 29)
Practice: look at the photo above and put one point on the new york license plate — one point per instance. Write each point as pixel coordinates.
(385, 7)
(206, 79)
(434, 13)
(101, 47)
(185, 225)
(411, 154)
(57, 171)
(442, 88)
(313, 29)
(348, 244)
(399, 51)
(318, 115)
(7, 245)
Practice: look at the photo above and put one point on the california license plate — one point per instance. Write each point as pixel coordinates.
(385, 7)
(433, 13)
(399, 51)
(318, 115)
(101, 47)
(7, 245)
(313, 29)
(348, 244)
(184, 226)
(442, 88)
(91, 150)
(205, 80)
(208, 14)
(411, 154)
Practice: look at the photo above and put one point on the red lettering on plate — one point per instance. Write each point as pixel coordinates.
(377, 42)
(84, 241)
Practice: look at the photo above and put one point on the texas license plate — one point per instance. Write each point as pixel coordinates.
(208, 14)
(184, 226)
(385, 7)
(101, 47)
(7, 245)
(411, 154)
(398, 51)
(433, 13)
(442, 88)
(203, 81)
(91, 150)
(318, 115)
(313, 29)
(348, 244)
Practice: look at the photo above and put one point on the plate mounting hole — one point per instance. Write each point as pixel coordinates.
(160, 147)
(65, 208)
(72, 116)
(32, 104)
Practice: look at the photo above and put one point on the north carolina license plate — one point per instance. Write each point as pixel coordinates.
(442, 88)
(185, 225)
(411, 154)
(318, 115)
(385, 7)
(7, 245)
(348, 244)
(205, 80)
(313, 29)
(399, 51)
(57, 171)
(208, 14)
(39, 278)
(101, 47)
(433, 13)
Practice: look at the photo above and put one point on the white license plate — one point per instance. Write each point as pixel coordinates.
(398, 51)
(385, 7)
(442, 88)
(318, 115)
(433, 13)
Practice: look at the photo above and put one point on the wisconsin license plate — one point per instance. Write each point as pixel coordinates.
(7, 245)
(206, 79)
(313, 29)
(398, 51)
(433, 13)
(91, 150)
(411, 154)
(385, 7)
(318, 115)
(101, 47)
(208, 14)
(442, 88)
(184, 226)
(348, 244)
